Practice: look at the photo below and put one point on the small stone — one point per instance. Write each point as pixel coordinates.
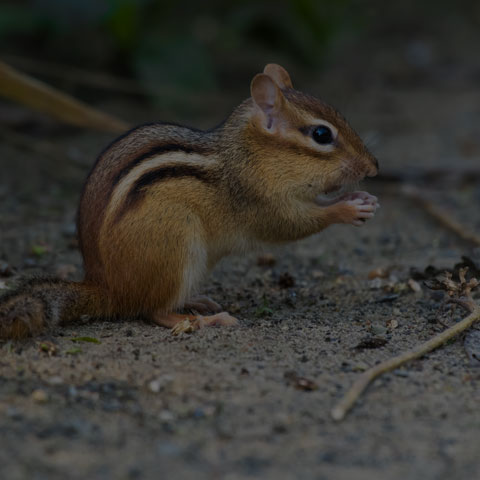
(166, 416)
(377, 273)
(392, 324)
(414, 285)
(39, 396)
(375, 284)
(55, 380)
(387, 298)
(377, 329)
(160, 383)
(317, 274)
(359, 367)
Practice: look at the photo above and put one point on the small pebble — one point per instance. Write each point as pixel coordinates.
(378, 329)
(166, 416)
(55, 380)
(159, 384)
(39, 396)
(414, 285)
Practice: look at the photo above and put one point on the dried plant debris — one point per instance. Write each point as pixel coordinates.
(48, 347)
(460, 292)
(431, 272)
(299, 382)
(371, 342)
(392, 279)
(455, 288)
(85, 340)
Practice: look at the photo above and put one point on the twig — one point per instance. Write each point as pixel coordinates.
(461, 288)
(442, 217)
(341, 409)
(21, 88)
(78, 76)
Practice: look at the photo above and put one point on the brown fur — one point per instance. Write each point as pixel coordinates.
(164, 203)
(42, 303)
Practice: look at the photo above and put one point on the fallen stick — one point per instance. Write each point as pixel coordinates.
(28, 91)
(339, 412)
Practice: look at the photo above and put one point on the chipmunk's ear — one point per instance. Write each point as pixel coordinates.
(279, 75)
(268, 98)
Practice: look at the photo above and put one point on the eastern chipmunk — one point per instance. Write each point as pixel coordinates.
(163, 203)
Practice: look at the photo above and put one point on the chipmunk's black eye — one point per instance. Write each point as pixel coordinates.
(322, 135)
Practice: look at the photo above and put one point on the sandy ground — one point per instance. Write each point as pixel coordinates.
(226, 403)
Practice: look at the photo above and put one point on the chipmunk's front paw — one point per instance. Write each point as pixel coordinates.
(365, 196)
(361, 207)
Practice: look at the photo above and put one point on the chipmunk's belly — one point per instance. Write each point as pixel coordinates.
(153, 261)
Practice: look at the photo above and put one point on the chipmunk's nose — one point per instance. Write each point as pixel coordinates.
(373, 168)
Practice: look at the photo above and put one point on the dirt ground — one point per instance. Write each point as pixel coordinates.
(226, 403)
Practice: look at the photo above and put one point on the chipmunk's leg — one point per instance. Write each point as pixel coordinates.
(180, 322)
(203, 305)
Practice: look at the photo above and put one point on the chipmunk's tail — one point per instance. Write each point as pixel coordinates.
(42, 303)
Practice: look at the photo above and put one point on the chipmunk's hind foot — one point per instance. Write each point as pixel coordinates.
(187, 323)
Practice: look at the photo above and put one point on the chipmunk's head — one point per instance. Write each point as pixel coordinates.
(306, 143)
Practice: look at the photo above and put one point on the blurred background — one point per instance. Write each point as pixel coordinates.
(177, 56)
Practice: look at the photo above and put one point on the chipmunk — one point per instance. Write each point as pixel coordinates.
(164, 203)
